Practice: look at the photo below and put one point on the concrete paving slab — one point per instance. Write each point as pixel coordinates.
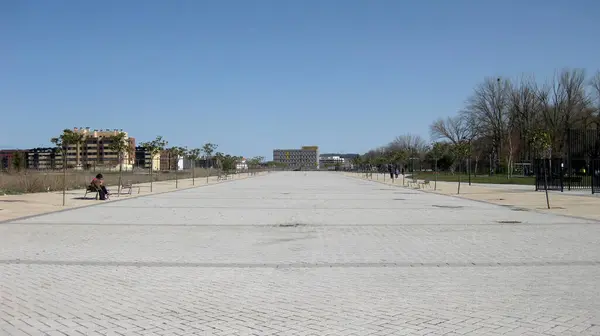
(299, 253)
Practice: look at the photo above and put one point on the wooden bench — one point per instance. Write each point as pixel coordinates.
(92, 189)
(424, 184)
(413, 182)
(129, 186)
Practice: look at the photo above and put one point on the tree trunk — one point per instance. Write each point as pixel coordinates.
(77, 155)
(64, 194)
(459, 173)
(207, 170)
(151, 172)
(509, 158)
(435, 174)
(194, 172)
(120, 174)
(546, 183)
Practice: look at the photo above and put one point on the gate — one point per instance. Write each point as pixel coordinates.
(595, 175)
(553, 168)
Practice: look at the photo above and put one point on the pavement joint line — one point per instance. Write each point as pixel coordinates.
(435, 207)
(346, 225)
(539, 211)
(154, 264)
(8, 221)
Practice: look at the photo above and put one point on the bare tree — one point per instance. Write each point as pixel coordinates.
(454, 129)
(411, 143)
(595, 85)
(525, 111)
(567, 104)
(488, 109)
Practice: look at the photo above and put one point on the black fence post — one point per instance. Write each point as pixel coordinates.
(593, 172)
(536, 171)
(569, 168)
(560, 173)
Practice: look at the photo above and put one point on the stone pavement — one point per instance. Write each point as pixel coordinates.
(574, 204)
(297, 253)
(16, 206)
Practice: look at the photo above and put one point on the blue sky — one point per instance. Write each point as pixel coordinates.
(251, 76)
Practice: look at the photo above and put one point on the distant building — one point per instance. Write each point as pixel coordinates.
(44, 158)
(242, 165)
(200, 163)
(10, 157)
(168, 161)
(332, 161)
(347, 156)
(143, 159)
(95, 151)
(305, 158)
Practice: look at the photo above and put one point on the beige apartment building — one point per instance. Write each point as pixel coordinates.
(95, 150)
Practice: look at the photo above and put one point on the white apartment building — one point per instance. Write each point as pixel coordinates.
(333, 162)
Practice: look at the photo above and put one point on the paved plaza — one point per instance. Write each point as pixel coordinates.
(296, 253)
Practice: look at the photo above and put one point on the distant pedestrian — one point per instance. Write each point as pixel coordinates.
(391, 171)
(397, 172)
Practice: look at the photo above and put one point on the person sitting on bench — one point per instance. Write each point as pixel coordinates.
(98, 183)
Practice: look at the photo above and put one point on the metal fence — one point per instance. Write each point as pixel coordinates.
(578, 169)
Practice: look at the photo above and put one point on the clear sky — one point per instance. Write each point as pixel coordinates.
(250, 76)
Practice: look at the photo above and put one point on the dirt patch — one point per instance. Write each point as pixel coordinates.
(294, 224)
(13, 201)
(448, 206)
(509, 222)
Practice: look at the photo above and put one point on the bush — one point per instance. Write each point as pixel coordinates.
(41, 181)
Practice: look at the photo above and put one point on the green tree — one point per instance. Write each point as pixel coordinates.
(398, 157)
(255, 163)
(62, 142)
(120, 144)
(219, 158)
(208, 149)
(541, 142)
(154, 147)
(176, 152)
(18, 161)
(193, 155)
(228, 163)
(357, 162)
(462, 150)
